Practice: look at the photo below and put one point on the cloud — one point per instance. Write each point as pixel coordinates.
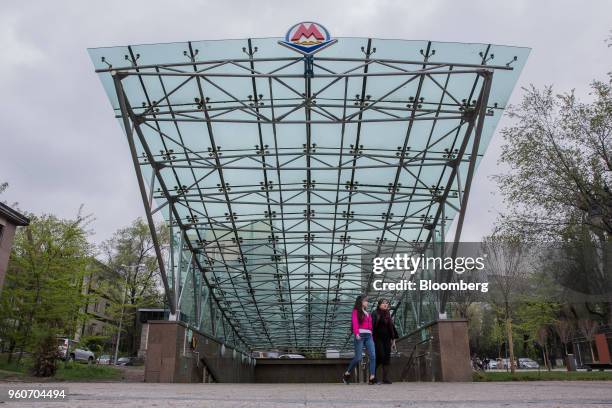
(17, 52)
(64, 147)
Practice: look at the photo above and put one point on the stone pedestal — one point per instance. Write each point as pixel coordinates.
(178, 354)
(438, 351)
(454, 348)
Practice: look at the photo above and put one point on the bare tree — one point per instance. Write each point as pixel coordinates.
(542, 337)
(507, 272)
(564, 330)
(588, 328)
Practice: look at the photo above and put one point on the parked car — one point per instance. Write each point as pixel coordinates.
(71, 350)
(492, 364)
(106, 359)
(125, 361)
(292, 356)
(505, 363)
(265, 354)
(527, 363)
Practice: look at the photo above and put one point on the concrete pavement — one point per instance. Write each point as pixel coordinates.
(514, 394)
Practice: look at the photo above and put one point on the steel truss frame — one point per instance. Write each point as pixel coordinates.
(285, 274)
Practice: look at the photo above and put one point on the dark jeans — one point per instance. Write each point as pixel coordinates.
(383, 350)
(383, 358)
(365, 338)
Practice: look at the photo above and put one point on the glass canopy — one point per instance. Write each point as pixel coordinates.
(280, 174)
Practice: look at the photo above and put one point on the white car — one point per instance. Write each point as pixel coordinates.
(265, 354)
(292, 356)
(70, 350)
(105, 359)
(492, 364)
(527, 363)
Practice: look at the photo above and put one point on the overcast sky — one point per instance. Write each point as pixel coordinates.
(60, 146)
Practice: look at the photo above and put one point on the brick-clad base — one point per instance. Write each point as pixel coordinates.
(439, 351)
(171, 357)
(436, 352)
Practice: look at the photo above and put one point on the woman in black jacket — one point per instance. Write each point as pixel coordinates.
(384, 337)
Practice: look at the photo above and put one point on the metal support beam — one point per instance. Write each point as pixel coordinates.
(141, 185)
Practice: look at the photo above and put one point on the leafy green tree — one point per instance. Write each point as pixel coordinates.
(559, 151)
(131, 254)
(535, 319)
(94, 343)
(42, 297)
(558, 188)
(496, 334)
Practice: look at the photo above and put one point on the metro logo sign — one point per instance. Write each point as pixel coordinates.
(307, 38)
(302, 35)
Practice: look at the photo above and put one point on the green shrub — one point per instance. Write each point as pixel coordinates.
(84, 372)
(95, 343)
(46, 356)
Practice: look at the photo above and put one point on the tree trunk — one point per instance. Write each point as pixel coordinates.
(510, 344)
(547, 363)
(12, 346)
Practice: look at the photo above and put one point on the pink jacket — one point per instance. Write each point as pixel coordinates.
(365, 324)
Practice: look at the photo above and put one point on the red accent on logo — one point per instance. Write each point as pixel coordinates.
(307, 32)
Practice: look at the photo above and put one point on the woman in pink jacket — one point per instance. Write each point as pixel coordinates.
(362, 329)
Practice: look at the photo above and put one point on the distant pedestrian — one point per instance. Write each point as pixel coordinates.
(385, 335)
(362, 329)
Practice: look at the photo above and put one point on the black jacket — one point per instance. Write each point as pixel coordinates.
(381, 331)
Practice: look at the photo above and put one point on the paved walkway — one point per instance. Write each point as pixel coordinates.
(511, 394)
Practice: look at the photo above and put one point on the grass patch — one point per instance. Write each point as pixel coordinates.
(10, 375)
(14, 367)
(86, 372)
(543, 376)
(66, 371)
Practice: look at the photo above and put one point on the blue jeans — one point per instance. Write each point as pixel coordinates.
(369, 344)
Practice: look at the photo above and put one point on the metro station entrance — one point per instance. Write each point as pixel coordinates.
(281, 169)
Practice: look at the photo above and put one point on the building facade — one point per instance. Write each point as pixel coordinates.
(99, 285)
(9, 221)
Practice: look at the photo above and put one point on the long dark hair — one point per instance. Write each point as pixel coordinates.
(359, 307)
(383, 315)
